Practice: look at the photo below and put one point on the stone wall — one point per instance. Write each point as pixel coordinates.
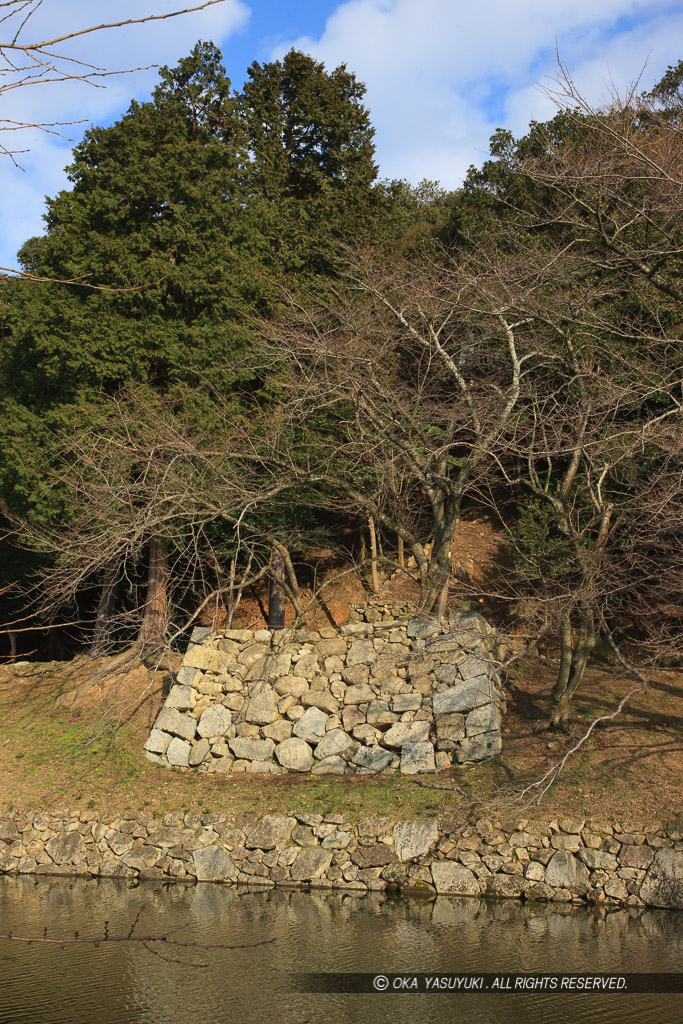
(373, 696)
(568, 860)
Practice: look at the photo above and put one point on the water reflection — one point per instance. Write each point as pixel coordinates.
(317, 932)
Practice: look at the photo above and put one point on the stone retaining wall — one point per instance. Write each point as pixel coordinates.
(373, 696)
(563, 861)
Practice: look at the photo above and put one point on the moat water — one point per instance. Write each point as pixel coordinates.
(317, 932)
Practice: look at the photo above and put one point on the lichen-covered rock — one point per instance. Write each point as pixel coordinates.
(212, 864)
(336, 743)
(271, 830)
(247, 749)
(199, 753)
(310, 863)
(564, 871)
(182, 698)
(663, 884)
(214, 721)
(333, 765)
(311, 725)
(374, 759)
(178, 753)
(170, 720)
(262, 708)
(417, 758)
(415, 838)
(406, 732)
(67, 848)
(157, 742)
(294, 754)
(452, 879)
(479, 748)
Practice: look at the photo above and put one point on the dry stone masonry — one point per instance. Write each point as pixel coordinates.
(408, 695)
(567, 860)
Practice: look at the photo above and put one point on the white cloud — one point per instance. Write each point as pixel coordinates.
(161, 42)
(443, 74)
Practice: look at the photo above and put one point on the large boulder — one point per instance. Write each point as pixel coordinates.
(663, 884)
(564, 871)
(212, 864)
(415, 838)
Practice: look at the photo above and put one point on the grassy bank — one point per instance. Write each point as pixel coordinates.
(72, 736)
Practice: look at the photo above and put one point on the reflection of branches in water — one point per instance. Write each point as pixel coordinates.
(149, 942)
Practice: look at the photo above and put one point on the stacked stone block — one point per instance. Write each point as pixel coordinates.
(408, 695)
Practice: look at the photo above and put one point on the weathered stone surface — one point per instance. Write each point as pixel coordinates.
(464, 696)
(330, 766)
(251, 750)
(264, 768)
(333, 647)
(294, 754)
(598, 859)
(419, 628)
(67, 848)
(199, 753)
(170, 720)
(182, 698)
(417, 758)
(564, 871)
(269, 667)
(361, 652)
(356, 675)
(294, 685)
(663, 883)
(379, 713)
(271, 830)
(335, 743)
(321, 699)
(278, 731)
(375, 856)
(212, 864)
(375, 759)
(214, 722)
(206, 659)
(308, 666)
(178, 753)
(406, 732)
(262, 708)
(351, 717)
(188, 676)
(452, 879)
(157, 742)
(359, 694)
(415, 838)
(479, 748)
(636, 857)
(487, 718)
(310, 863)
(252, 653)
(401, 702)
(311, 726)
(508, 886)
(450, 726)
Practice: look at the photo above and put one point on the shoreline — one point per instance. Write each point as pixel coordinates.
(576, 861)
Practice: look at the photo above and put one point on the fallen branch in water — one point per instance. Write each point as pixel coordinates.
(144, 940)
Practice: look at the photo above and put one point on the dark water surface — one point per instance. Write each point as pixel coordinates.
(123, 983)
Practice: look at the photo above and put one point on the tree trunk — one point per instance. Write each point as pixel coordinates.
(276, 592)
(373, 554)
(105, 609)
(573, 661)
(153, 629)
(401, 555)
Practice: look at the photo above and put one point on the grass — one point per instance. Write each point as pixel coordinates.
(67, 741)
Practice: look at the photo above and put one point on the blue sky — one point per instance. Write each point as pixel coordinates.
(441, 75)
